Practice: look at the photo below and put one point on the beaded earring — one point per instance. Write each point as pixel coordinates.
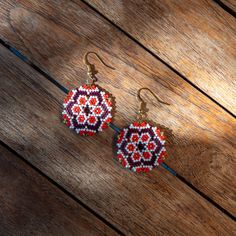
(88, 108)
(141, 146)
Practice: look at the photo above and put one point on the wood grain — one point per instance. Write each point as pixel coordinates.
(31, 205)
(230, 3)
(202, 148)
(197, 38)
(153, 204)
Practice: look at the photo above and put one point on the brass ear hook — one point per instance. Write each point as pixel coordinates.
(142, 113)
(91, 67)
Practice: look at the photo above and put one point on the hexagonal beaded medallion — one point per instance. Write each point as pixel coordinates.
(141, 147)
(87, 109)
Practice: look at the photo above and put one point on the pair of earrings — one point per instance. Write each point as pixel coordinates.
(88, 110)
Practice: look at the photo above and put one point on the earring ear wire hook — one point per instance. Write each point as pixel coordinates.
(142, 113)
(91, 67)
(153, 94)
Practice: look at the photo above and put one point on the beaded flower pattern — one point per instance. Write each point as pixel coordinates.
(141, 147)
(87, 109)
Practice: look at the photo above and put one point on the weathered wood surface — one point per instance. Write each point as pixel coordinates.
(202, 149)
(230, 3)
(31, 205)
(153, 204)
(197, 38)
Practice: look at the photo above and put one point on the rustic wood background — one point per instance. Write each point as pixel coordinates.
(54, 182)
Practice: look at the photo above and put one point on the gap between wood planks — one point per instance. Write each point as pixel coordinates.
(157, 57)
(165, 166)
(62, 189)
(225, 7)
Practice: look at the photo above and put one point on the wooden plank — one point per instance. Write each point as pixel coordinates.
(197, 38)
(203, 145)
(31, 205)
(230, 3)
(153, 204)
(202, 148)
